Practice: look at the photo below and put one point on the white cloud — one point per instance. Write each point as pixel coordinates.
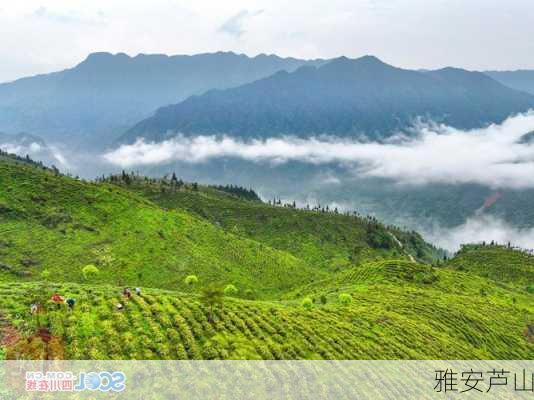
(47, 154)
(69, 16)
(491, 156)
(481, 229)
(235, 25)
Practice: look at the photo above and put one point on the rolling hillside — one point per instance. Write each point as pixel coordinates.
(321, 237)
(300, 288)
(390, 316)
(496, 262)
(344, 98)
(59, 224)
(138, 235)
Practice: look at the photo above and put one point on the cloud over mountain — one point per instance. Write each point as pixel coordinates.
(342, 97)
(235, 25)
(482, 229)
(494, 156)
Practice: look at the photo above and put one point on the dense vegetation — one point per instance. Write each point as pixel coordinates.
(227, 278)
(319, 235)
(50, 222)
(392, 313)
(497, 262)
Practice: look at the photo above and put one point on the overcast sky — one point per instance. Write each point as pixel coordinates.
(38, 36)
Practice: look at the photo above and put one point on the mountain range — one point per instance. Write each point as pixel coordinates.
(106, 94)
(97, 101)
(520, 80)
(344, 97)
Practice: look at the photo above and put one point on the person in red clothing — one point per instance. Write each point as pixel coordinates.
(58, 299)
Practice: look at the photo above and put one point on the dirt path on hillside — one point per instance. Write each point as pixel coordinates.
(402, 247)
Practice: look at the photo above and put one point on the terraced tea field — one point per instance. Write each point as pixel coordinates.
(500, 263)
(302, 284)
(395, 319)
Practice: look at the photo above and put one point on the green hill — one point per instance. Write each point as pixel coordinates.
(330, 240)
(310, 284)
(499, 263)
(59, 224)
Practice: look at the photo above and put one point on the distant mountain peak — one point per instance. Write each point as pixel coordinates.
(365, 61)
(344, 66)
(344, 97)
(103, 55)
(102, 58)
(370, 59)
(99, 97)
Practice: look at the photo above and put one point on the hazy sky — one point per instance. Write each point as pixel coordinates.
(39, 36)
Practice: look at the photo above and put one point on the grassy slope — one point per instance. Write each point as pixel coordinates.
(385, 320)
(498, 263)
(332, 241)
(400, 309)
(60, 224)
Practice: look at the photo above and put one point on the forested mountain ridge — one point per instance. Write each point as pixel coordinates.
(520, 80)
(318, 234)
(343, 97)
(105, 94)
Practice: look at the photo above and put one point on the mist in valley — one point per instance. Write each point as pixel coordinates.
(437, 180)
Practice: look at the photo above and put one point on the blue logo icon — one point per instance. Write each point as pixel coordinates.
(103, 381)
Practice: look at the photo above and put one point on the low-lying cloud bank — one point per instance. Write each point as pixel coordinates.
(479, 229)
(496, 156)
(47, 154)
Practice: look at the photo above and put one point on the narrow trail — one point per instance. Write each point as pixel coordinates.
(412, 259)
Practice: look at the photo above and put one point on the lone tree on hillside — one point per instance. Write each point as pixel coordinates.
(212, 296)
(230, 290)
(307, 303)
(191, 280)
(126, 177)
(90, 272)
(345, 298)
